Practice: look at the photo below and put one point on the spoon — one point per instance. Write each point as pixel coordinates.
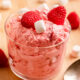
(73, 72)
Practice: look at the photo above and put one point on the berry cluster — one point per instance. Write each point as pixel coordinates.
(56, 15)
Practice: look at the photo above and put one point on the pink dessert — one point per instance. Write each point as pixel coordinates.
(32, 55)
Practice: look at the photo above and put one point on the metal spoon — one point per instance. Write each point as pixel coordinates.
(73, 72)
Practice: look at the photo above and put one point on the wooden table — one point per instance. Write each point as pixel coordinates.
(73, 5)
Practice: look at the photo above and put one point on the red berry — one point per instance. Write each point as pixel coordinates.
(30, 18)
(3, 59)
(74, 20)
(57, 15)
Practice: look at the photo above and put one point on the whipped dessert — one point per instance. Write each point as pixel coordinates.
(37, 42)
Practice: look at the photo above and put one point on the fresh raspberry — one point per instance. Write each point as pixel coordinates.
(57, 15)
(30, 18)
(74, 20)
(3, 59)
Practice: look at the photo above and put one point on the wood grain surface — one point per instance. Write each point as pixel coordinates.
(73, 5)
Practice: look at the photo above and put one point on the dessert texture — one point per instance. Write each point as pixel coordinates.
(33, 55)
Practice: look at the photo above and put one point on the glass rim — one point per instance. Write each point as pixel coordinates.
(54, 45)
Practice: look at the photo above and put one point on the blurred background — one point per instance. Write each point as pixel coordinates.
(16, 5)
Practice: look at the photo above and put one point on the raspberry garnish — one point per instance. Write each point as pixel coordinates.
(30, 18)
(74, 20)
(57, 15)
